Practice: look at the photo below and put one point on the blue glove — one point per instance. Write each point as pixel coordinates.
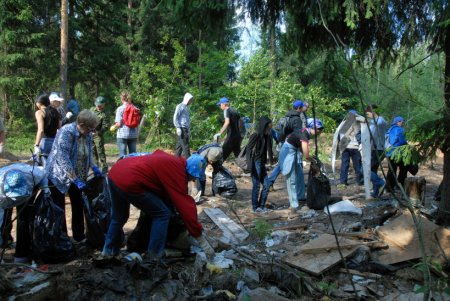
(80, 184)
(97, 171)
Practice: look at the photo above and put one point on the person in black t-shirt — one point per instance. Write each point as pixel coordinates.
(294, 149)
(233, 140)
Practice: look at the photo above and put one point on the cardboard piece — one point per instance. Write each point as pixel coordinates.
(401, 236)
(232, 232)
(320, 262)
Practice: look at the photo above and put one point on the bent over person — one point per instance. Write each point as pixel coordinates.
(156, 184)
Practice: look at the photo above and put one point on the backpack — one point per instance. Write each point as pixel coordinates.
(131, 116)
(243, 160)
(387, 143)
(282, 128)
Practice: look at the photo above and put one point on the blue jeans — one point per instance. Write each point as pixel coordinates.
(123, 143)
(45, 145)
(148, 202)
(355, 155)
(259, 172)
(377, 183)
(274, 174)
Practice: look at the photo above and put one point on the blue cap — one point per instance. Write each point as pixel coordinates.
(223, 100)
(353, 111)
(297, 104)
(318, 124)
(398, 119)
(196, 165)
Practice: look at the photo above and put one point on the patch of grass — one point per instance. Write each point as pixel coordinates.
(262, 228)
(20, 143)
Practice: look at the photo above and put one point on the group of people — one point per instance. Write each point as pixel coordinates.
(384, 141)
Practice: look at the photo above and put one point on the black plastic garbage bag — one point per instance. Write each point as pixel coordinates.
(223, 183)
(50, 242)
(319, 188)
(97, 210)
(139, 238)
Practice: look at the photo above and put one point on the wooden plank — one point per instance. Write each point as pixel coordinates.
(402, 232)
(232, 231)
(362, 274)
(318, 263)
(349, 245)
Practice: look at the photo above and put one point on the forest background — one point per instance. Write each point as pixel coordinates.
(340, 55)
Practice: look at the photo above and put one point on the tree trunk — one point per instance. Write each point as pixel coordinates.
(273, 62)
(444, 206)
(64, 47)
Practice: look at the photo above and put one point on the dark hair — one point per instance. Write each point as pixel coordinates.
(371, 108)
(43, 100)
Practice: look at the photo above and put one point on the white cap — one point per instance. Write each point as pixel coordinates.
(55, 97)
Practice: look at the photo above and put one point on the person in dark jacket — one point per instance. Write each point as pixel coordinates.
(231, 126)
(258, 145)
(395, 136)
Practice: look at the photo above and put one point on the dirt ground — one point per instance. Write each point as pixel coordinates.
(257, 273)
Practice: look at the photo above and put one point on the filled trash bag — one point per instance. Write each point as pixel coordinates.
(223, 183)
(319, 188)
(17, 182)
(139, 238)
(50, 242)
(97, 210)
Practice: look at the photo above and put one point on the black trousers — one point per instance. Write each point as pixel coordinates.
(231, 144)
(402, 174)
(76, 203)
(182, 147)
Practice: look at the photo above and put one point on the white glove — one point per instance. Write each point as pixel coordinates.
(204, 244)
(37, 150)
(360, 118)
(179, 131)
(1, 149)
(69, 114)
(197, 197)
(216, 137)
(360, 147)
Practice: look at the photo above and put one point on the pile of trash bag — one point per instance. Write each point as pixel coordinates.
(224, 183)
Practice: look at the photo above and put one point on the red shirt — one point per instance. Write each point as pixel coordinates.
(163, 174)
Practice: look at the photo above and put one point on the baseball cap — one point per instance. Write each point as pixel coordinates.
(214, 154)
(398, 119)
(297, 104)
(195, 165)
(100, 101)
(223, 100)
(55, 97)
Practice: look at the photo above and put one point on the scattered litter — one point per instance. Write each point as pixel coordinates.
(133, 257)
(221, 261)
(344, 206)
(310, 213)
(277, 237)
(251, 275)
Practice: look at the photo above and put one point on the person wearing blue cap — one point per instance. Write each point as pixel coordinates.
(293, 151)
(295, 120)
(350, 147)
(157, 184)
(231, 125)
(395, 137)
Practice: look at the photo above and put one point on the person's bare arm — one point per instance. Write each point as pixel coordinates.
(305, 150)
(40, 126)
(225, 125)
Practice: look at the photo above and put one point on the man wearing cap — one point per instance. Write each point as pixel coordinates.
(377, 127)
(156, 184)
(295, 122)
(293, 151)
(98, 138)
(182, 123)
(395, 137)
(56, 102)
(233, 140)
(213, 154)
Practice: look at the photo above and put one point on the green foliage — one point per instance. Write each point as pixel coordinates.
(407, 154)
(262, 229)
(440, 284)
(326, 287)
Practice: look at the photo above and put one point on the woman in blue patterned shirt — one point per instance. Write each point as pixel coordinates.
(68, 166)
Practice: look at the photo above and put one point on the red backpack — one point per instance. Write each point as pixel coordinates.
(131, 116)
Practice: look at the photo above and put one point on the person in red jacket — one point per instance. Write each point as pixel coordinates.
(158, 185)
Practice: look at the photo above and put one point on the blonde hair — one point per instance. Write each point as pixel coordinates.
(125, 94)
(88, 119)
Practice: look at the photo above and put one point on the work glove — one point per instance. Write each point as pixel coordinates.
(204, 244)
(360, 147)
(216, 137)
(1, 149)
(360, 118)
(80, 184)
(69, 114)
(37, 150)
(113, 128)
(97, 171)
(179, 132)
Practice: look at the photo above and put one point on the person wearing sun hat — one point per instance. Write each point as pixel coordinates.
(231, 125)
(56, 102)
(157, 184)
